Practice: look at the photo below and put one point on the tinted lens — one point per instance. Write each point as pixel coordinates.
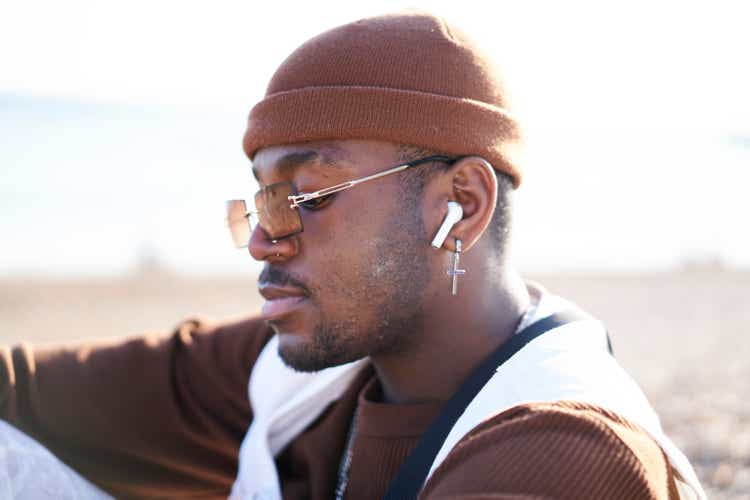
(239, 222)
(274, 214)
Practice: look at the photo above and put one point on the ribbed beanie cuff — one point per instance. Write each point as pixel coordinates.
(406, 79)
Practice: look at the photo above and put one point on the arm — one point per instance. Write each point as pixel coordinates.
(564, 450)
(150, 416)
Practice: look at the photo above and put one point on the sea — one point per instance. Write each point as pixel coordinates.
(103, 188)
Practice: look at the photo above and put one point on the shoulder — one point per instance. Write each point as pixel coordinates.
(554, 450)
(244, 337)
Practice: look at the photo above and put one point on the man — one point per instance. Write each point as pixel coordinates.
(383, 149)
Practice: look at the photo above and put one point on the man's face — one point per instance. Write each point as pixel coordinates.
(353, 283)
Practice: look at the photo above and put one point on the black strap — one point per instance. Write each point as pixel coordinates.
(413, 472)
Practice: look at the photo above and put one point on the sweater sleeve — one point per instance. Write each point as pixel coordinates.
(153, 416)
(563, 450)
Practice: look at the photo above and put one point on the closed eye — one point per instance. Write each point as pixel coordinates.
(317, 203)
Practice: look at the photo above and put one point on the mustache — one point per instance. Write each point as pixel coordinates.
(275, 276)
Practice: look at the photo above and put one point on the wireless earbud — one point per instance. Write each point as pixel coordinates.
(455, 214)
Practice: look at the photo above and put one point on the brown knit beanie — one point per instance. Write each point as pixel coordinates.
(406, 78)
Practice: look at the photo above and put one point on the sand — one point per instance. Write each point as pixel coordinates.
(681, 335)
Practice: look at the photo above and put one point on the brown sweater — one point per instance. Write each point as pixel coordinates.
(163, 417)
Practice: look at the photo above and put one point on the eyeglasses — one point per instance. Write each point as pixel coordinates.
(276, 207)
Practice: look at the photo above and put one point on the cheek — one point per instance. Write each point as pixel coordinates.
(351, 227)
(349, 253)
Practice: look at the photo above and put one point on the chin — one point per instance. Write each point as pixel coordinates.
(312, 351)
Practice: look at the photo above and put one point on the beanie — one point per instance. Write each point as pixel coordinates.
(406, 78)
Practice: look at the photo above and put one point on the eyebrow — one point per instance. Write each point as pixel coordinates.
(289, 163)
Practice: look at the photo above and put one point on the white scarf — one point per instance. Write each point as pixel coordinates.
(570, 362)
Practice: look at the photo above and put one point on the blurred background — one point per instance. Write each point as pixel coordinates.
(120, 132)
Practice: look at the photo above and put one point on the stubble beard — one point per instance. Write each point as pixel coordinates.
(385, 308)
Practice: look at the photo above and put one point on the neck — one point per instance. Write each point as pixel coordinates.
(460, 332)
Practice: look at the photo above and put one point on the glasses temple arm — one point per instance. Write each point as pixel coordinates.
(297, 199)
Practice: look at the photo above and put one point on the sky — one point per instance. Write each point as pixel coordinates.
(120, 127)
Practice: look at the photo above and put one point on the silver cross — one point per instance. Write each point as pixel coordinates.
(456, 272)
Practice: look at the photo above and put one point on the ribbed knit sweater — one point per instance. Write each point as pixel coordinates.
(163, 417)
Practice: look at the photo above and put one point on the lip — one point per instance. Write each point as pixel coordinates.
(280, 300)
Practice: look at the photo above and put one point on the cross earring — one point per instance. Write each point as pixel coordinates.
(456, 272)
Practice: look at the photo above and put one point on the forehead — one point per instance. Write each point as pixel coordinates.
(350, 156)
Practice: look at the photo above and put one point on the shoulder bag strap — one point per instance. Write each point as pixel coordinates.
(412, 474)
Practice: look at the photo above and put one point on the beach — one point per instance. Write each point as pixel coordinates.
(680, 334)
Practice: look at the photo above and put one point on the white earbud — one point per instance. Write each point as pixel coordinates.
(455, 214)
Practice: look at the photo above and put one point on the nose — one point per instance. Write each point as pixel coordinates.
(263, 248)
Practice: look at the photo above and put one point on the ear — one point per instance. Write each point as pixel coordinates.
(472, 183)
